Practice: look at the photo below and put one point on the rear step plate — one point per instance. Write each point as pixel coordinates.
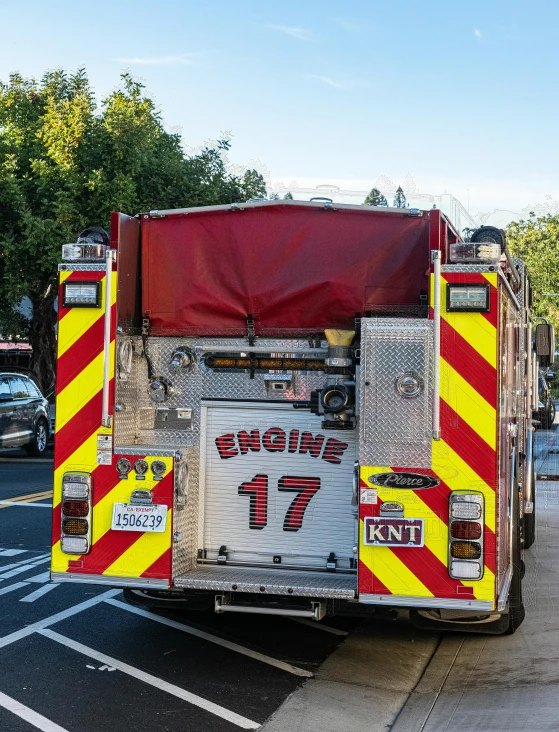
(275, 582)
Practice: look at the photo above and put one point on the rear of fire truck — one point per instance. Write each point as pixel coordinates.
(297, 408)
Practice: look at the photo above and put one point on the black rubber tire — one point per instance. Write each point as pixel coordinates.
(38, 444)
(549, 417)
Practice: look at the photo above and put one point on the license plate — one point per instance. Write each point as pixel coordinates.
(393, 531)
(130, 517)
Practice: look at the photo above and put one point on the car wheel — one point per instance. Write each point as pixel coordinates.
(38, 444)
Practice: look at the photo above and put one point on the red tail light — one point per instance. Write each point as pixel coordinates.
(75, 508)
(465, 530)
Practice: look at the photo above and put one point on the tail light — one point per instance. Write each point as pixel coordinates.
(75, 532)
(465, 536)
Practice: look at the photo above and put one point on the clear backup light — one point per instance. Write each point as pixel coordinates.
(466, 570)
(466, 506)
(75, 486)
(74, 545)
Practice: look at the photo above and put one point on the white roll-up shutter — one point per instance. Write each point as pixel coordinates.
(277, 489)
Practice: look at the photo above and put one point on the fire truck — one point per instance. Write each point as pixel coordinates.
(298, 408)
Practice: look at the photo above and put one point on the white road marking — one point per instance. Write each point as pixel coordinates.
(39, 592)
(11, 552)
(24, 568)
(52, 619)
(24, 505)
(29, 560)
(319, 626)
(136, 673)
(34, 718)
(43, 577)
(11, 588)
(213, 639)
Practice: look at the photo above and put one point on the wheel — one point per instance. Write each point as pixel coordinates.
(38, 444)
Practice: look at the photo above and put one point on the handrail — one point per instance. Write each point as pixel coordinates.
(436, 258)
(105, 416)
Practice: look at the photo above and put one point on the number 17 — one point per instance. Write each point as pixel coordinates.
(257, 489)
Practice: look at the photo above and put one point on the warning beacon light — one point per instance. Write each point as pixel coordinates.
(91, 246)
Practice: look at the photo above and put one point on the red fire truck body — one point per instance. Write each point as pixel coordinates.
(297, 408)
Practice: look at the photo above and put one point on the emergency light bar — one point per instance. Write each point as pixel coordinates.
(84, 252)
(467, 298)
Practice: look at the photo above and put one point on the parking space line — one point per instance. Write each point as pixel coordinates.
(34, 718)
(23, 568)
(39, 592)
(24, 504)
(43, 577)
(319, 626)
(158, 683)
(29, 560)
(11, 552)
(213, 639)
(11, 588)
(56, 618)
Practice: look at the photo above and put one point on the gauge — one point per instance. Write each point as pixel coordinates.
(123, 466)
(158, 467)
(141, 467)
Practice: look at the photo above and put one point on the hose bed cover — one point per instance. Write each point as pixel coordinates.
(293, 268)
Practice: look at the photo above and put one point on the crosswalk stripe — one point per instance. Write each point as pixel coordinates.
(24, 568)
(34, 718)
(11, 588)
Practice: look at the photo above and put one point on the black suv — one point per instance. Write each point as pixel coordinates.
(24, 414)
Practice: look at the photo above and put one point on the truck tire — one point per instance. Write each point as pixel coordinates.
(549, 417)
(38, 444)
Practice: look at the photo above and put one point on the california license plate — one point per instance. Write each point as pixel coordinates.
(131, 517)
(393, 531)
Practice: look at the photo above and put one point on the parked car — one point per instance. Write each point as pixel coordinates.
(546, 406)
(24, 414)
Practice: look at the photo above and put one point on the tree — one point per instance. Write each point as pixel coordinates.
(288, 196)
(536, 241)
(253, 185)
(65, 165)
(375, 198)
(400, 198)
(274, 197)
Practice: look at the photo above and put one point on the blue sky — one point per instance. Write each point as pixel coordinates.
(462, 96)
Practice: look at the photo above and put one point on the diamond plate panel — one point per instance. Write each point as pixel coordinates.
(276, 582)
(395, 430)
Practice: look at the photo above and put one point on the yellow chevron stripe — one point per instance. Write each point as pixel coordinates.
(463, 478)
(143, 553)
(81, 389)
(83, 459)
(468, 404)
(473, 327)
(391, 571)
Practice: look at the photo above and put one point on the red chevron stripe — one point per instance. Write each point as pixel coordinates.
(81, 353)
(429, 570)
(466, 443)
(77, 430)
(471, 366)
(161, 568)
(75, 276)
(107, 550)
(490, 549)
(56, 523)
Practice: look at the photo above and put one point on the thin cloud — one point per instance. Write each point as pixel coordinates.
(328, 81)
(477, 33)
(186, 59)
(301, 34)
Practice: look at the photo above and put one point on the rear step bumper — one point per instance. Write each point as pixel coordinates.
(331, 585)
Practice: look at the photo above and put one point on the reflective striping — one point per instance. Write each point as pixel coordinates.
(158, 683)
(79, 391)
(467, 443)
(468, 404)
(28, 715)
(392, 572)
(85, 455)
(77, 319)
(141, 555)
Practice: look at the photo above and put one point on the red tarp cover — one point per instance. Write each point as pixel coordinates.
(293, 267)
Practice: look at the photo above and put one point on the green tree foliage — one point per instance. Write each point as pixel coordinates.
(400, 198)
(288, 196)
(274, 196)
(536, 241)
(65, 164)
(375, 198)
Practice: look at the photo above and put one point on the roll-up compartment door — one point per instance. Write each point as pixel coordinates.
(277, 489)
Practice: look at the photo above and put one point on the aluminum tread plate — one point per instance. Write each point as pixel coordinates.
(276, 581)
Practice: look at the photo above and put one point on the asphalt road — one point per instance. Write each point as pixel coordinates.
(75, 658)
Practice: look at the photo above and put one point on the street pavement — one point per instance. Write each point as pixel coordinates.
(76, 658)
